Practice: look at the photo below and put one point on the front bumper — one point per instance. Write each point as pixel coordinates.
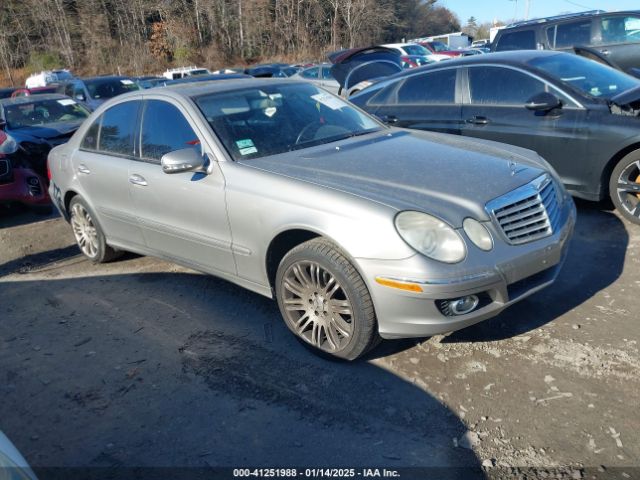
(518, 271)
(26, 187)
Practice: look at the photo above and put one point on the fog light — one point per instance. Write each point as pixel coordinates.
(464, 305)
(33, 181)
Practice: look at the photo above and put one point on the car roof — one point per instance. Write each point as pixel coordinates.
(547, 21)
(514, 57)
(105, 77)
(32, 99)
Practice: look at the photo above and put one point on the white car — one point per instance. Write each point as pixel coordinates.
(407, 49)
(47, 77)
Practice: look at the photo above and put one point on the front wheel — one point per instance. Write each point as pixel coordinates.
(624, 187)
(324, 300)
(88, 234)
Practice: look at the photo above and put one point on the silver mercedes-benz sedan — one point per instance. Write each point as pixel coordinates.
(360, 231)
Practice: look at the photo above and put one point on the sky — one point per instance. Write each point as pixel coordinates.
(488, 10)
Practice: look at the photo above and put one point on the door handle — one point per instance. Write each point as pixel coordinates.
(82, 168)
(389, 119)
(605, 52)
(478, 120)
(138, 180)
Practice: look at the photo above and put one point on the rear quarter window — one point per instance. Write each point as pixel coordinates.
(520, 40)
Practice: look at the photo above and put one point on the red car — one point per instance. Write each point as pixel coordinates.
(18, 183)
(25, 92)
(441, 49)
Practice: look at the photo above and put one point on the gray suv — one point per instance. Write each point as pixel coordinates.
(614, 35)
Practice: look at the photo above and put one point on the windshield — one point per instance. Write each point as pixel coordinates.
(110, 87)
(439, 47)
(44, 112)
(591, 78)
(415, 50)
(268, 120)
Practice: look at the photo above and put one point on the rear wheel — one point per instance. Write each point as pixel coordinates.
(88, 234)
(624, 187)
(324, 300)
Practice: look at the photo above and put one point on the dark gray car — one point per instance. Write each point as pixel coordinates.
(581, 116)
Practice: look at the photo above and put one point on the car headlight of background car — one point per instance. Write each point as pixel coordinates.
(431, 236)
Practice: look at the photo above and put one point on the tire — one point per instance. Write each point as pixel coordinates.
(624, 187)
(88, 234)
(325, 302)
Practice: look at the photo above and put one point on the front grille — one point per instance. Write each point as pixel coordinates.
(528, 213)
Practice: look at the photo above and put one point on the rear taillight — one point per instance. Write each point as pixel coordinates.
(48, 171)
(3, 137)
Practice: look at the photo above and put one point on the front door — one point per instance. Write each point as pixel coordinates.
(495, 111)
(182, 215)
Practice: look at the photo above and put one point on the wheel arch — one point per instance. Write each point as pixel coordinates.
(611, 164)
(280, 245)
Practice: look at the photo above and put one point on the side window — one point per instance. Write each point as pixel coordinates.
(521, 40)
(118, 128)
(164, 130)
(68, 90)
(570, 34)
(311, 73)
(326, 73)
(502, 86)
(620, 29)
(429, 88)
(90, 140)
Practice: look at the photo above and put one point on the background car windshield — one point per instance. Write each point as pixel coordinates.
(415, 50)
(107, 88)
(44, 112)
(591, 78)
(261, 121)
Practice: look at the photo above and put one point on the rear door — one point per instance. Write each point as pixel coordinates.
(182, 215)
(618, 38)
(101, 165)
(425, 101)
(494, 110)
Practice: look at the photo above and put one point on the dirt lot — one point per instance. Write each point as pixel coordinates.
(143, 363)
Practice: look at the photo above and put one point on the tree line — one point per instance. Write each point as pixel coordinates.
(136, 37)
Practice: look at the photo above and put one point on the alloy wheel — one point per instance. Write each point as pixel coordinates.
(84, 230)
(316, 306)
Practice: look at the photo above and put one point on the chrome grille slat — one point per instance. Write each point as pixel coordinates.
(527, 213)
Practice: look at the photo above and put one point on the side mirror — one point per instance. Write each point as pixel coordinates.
(543, 102)
(185, 160)
(80, 96)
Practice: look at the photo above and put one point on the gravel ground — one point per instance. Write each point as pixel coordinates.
(143, 363)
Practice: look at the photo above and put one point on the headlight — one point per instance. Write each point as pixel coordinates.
(431, 236)
(478, 234)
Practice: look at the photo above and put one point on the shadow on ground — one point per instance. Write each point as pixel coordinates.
(185, 370)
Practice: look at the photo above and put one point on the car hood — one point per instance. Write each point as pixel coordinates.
(448, 176)
(47, 132)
